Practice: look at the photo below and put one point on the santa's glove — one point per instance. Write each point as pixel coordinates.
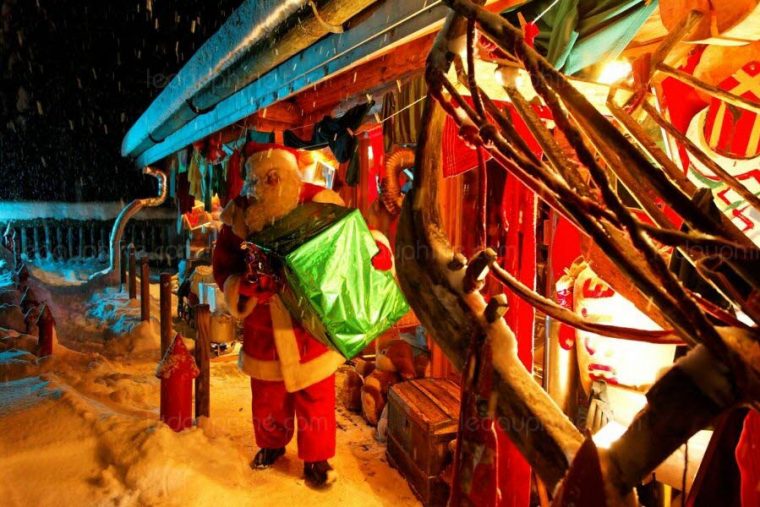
(383, 259)
(262, 289)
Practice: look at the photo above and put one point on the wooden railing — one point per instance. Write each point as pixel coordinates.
(56, 239)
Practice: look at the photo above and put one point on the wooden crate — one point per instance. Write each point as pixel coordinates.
(423, 416)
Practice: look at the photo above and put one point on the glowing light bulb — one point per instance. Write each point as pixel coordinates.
(615, 71)
(608, 435)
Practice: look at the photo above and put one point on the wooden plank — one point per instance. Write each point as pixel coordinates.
(401, 62)
(436, 390)
(418, 407)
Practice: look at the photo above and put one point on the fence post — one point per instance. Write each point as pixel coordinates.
(132, 272)
(123, 261)
(48, 241)
(46, 332)
(166, 311)
(37, 246)
(144, 288)
(202, 346)
(80, 235)
(60, 250)
(24, 242)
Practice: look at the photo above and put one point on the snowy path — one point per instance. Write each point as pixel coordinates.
(81, 428)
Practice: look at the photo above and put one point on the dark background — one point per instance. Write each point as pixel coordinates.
(74, 76)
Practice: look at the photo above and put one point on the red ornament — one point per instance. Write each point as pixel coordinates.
(530, 32)
(177, 370)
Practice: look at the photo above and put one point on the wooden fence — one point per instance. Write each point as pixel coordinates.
(51, 238)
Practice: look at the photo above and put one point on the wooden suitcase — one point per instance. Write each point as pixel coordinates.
(423, 415)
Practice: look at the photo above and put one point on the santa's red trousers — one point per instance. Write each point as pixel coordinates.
(276, 413)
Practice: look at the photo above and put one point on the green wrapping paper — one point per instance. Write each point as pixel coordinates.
(324, 253)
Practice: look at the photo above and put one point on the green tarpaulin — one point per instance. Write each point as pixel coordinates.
(576, 34)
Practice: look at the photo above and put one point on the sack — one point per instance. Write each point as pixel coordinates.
(323, 253)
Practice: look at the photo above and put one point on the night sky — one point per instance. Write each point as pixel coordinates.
(74, 76)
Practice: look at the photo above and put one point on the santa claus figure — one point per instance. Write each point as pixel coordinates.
(292, 374)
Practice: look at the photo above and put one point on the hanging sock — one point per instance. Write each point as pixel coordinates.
(184, 199)
(337, 133)
(182, 160)
(218, 180)
(195, 175)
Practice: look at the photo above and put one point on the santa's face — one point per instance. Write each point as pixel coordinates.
(272, 186)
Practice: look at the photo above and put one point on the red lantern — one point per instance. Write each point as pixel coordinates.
(177, 370)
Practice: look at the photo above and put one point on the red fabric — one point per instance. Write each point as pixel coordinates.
(235, 177)
(682, 101)
(735, 130)
(748, 459)
(227, 259)
(276, 412)
(214, 151)
(514, 471)
(309, 191)
(262, 291)
(458, 157)
(185, 201)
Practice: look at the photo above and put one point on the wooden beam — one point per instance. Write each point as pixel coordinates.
(283, 115)
(399, 63)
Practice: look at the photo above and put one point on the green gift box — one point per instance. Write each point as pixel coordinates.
(323, 252)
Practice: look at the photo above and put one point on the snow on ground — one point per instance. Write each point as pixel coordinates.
(68, 272)
(81, 427)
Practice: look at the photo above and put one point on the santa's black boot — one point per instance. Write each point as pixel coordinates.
(265, 458)
(319, 474)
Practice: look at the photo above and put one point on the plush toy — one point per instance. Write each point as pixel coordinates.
(292, 374)
(394, 363)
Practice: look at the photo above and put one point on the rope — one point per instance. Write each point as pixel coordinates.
(541, 14)
(326, 25)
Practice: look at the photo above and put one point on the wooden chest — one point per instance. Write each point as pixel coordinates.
(423, 415)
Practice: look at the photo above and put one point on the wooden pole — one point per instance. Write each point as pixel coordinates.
(24, 242)
(132, 272)
(46, 330)
(123, 267)
(37, 244)
(202, 346)
(144, 288)
(80, 244)
(60, 249)
(70, 241)
(48, 241)
(166, 311)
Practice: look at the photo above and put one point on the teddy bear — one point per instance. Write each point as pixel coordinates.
(394, 363)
